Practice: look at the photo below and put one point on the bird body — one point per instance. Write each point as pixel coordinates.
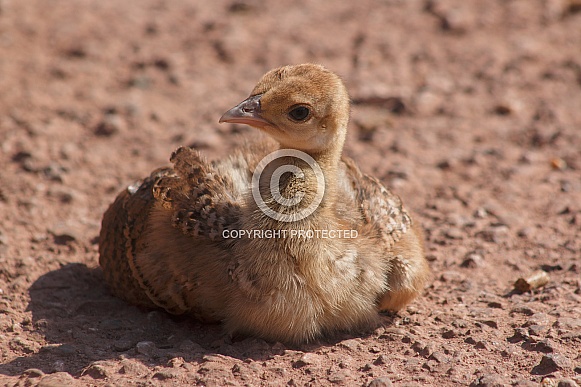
(320, 250)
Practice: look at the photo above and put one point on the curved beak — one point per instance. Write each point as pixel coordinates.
(246, 112)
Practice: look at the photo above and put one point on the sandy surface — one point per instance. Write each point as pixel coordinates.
(470, 110)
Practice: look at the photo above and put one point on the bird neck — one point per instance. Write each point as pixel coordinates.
(327, 159)
(293, 185)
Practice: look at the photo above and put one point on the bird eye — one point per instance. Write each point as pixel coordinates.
(299, 113)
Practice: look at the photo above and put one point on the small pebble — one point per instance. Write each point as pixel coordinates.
(568, 323)
(558, 163)
(525, 232)
(536, 280)
(382, 359)
(473, 260)
(567, 383)
(383, 381)
(549, 382)
(502, 109)
(481, 213)
(489, 380)
(393, 334)
(122, 345)
(339, 377)
(65, 232)
(176, 362)
(308, 359)
(133, 367)
(166, 374)
(352, 344)
(537, 330)
(520, 334)
(97, 371)
(57, 379)
(146, 348)
(545, 346)
(449, 334)
(37, 238)
(499, 233)
(495, 304)
(522, 309)
(451, 276)
(215, 369)
(538, 319)
(470, 340)
(33, 373)
(58, 366)
(422, 349)
(439, 357)
(454, 233)
(490, 323)
(109, 125)
(551, 363)
(525, 383)
(213, 358)
(54, 172)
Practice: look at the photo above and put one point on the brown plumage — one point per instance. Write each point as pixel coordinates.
(170, 243)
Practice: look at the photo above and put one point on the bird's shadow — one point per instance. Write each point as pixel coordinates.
(76, 321)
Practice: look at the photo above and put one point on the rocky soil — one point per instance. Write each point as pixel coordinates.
(470, 110)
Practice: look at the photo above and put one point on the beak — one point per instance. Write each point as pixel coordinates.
(246, 112)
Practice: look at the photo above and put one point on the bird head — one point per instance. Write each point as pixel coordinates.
(304, 107)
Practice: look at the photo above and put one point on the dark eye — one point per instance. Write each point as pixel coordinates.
(299, 113)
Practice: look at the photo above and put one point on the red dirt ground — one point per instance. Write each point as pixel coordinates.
(470, 110)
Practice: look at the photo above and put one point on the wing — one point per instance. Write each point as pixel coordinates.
(378, 206)
(202, 199)
(120, 240)
(140, 250)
